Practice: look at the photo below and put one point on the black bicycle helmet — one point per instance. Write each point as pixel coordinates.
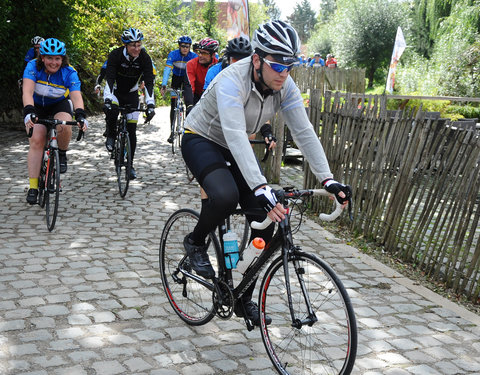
(279, 39)
(238, 48)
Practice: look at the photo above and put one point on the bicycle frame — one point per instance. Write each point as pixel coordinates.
(281, 239)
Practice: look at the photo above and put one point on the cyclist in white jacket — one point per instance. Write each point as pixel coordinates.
(236, 104)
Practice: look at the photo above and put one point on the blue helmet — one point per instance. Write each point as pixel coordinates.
(52, 47)
(132, 35)
(184, 39)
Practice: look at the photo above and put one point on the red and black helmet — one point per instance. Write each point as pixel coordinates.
(208, 44)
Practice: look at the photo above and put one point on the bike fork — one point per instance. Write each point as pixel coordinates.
(299, 271)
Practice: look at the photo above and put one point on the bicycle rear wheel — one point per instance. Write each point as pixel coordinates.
(189, 298)
(327, 345)
(52, 189)
(123, 162)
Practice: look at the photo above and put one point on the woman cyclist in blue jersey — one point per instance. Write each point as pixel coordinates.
(51, 87)
(176, 64)
(235, 104)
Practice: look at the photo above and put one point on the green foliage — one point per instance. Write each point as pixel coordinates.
(257, 14)
(303, 19)
(210, 15)
(364, 33)
(18, 24)
(454, 66)
(321, 41)
(271, 9)
(327, 10)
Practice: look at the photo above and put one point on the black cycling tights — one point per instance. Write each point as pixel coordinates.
(225, 187)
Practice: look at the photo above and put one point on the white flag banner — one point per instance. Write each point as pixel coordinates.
(398, 49)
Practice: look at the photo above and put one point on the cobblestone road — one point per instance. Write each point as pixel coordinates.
(86, 299)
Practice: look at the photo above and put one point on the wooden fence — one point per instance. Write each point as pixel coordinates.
(323, 79)
(415, 180)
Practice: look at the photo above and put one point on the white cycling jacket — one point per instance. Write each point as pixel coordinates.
(231, 109)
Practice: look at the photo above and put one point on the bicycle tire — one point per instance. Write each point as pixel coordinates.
(41, 183)
(173, 132)
(190, 300)
(329, 345)
(52, 189)
(123, 163)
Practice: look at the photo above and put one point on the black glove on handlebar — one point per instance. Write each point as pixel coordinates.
(266, 132)
(335, 188)
(150, 112)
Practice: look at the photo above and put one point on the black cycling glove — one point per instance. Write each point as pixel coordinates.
(266, 198)
(266, 132)
(150, 112)
(334, 187)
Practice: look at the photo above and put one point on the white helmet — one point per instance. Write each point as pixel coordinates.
(279, 39)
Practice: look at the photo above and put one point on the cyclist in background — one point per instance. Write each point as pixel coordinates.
(234, 105)
(125, 67)
(177, 64)
(317, 61)
(50, 87)
(197, 70)
(31, 54)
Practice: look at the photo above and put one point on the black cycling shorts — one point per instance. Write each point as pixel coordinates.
(202, 156)
(51, 110)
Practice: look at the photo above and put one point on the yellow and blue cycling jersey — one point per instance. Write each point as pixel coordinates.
(51, 88)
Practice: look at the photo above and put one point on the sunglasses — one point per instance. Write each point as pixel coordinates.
(200, 52)
(279, 68)
(184, 45)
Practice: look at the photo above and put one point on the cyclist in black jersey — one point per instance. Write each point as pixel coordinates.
(125, 68)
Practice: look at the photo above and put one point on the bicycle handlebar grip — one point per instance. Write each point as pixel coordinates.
(338, 206)
(261, 225)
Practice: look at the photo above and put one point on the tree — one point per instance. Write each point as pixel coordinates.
(210, 16)
(257, 14)
(327, 10)
(272, 9)
(303, 20)
(364, 33)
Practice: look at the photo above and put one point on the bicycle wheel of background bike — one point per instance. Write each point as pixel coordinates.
(123, 163)
(52, 193)
(329, 345)
(190, 300)
(238, 224)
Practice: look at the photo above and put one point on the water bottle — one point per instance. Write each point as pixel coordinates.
(251, 253)
(230, 249)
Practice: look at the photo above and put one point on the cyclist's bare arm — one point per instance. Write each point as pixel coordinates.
(27, 97)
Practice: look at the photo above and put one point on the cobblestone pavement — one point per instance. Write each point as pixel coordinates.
(87, 298)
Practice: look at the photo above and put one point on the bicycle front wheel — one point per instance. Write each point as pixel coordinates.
(42, 191)
(52, 189)
(190, 299)
(320, 341)
(123, 163)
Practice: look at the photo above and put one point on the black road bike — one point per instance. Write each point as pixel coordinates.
(313, 328)
(122, 151)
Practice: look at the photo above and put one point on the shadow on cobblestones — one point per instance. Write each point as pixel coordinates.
(86, 299)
